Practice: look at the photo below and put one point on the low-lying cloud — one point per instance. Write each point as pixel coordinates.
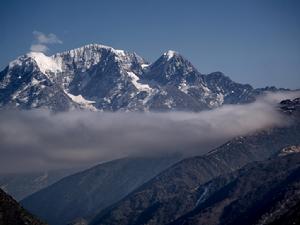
(38, 140)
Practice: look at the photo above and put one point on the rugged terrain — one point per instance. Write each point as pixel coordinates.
(259, 193)
(11, 213)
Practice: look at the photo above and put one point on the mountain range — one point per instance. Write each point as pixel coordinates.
(82, 195)
(252, 179)
(174, 193)
(101, 78)
(204, 189)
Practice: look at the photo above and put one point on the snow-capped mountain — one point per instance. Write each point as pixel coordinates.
(98, 77)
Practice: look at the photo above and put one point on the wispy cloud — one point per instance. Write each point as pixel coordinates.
(41, 41)
(38, 48)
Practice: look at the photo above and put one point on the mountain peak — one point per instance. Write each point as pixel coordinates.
(170, 54)
(92, 47)
(45, 63)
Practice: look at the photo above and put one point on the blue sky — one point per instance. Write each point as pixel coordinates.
(256, 42)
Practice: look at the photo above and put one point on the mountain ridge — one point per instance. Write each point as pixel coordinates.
(11, 213)
(82, 194)
(171, 194)
(259, 193)
(100, 78)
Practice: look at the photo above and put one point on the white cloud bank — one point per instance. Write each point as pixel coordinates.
(38, 140)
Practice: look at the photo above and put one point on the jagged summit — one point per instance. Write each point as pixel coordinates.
(171, 67)
(90, 53)
(89, 48)
(46, 63)
(170, 54)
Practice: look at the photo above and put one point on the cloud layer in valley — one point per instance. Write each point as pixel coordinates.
(38, 140)
(41, 41)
